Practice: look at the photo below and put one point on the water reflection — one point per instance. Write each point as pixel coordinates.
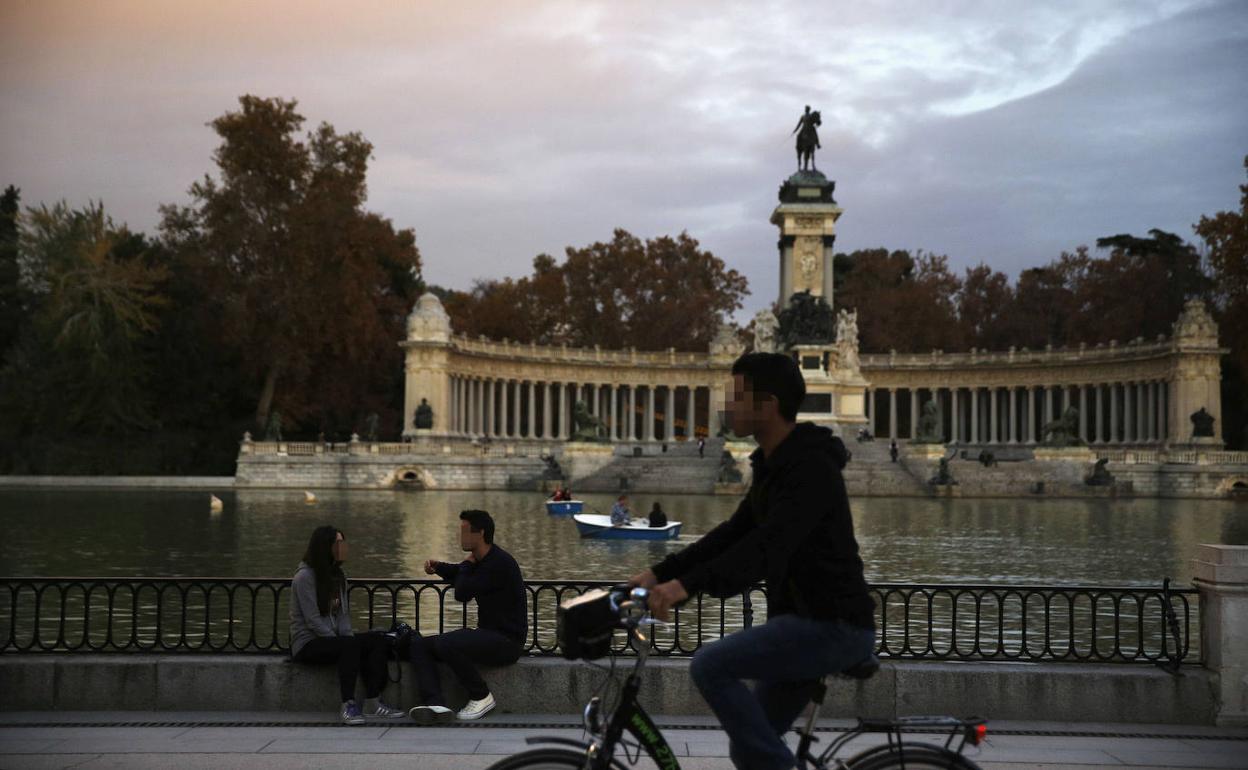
(263, 533)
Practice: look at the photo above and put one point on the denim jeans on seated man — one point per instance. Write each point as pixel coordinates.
(785, 657)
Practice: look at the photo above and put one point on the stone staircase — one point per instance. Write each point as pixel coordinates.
(872, 471)
(678, 470)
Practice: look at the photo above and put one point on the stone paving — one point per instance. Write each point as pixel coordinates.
(266, 741)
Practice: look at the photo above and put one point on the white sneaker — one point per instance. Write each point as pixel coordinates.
(475, 709)
(428, 715)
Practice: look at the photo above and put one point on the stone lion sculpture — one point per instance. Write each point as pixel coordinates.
(1064, 431)
(929, 425)
(585, 426)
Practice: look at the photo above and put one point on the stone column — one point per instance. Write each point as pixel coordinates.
(503, 411)
(1221, 576)
(914, 412)
(1128, 415)
(546, 388)
(631, 421)
(669, 415)
(690, 414)
(1032, 392)
(892, 413)
(647, 433)
(1013, 429)
(714, 401)
(955, 427)
(1152, 411)
(871, 411)
(992, 415)
(975, 415)
(1083, 412)
(613, 412)
(1113, 413)
(1048, 403)
(1098, 430)
(1163, 410)
(515, 410)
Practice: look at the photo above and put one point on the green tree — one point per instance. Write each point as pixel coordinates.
(11, 295)
(80, 365)
(309, 290)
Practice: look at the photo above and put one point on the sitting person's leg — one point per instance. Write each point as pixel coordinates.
(464, 649)
(345, 652)
(461, 650)
(786, 649)
(374, 661)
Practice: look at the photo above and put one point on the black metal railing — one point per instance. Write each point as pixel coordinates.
(933, 622)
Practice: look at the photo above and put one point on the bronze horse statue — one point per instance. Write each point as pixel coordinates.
(807, 139)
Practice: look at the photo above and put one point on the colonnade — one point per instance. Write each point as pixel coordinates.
(1133, 412)
(526, 409)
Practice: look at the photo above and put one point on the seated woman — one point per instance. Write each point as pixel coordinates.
(561, 494)
(657, 517)
(320, 628)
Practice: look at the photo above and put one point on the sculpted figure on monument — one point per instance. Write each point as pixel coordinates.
(370, 426)
(585, 426)
(847, 339)
(1064, 431)
(1100, 476)
(273, 427)
(422, 419)
(943, 477)
(1202, 423)
(807, 319)
(729, 473)
(929, 431)
(807, 139)
(765, 326)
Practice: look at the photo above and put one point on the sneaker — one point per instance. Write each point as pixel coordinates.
(351, 714)
(384, 710)
(475, 709)
(429, 715)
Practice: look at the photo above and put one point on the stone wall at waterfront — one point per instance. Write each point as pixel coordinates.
(388, 472)
(1031, 691)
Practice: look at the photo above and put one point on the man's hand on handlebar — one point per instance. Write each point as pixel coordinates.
(646, 580)
(664, 596)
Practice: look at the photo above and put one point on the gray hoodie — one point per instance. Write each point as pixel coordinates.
(306, 620)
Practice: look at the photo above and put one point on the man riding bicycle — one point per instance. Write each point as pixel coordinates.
(793, 529)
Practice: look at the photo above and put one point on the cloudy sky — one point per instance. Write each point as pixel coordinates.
(996, 131)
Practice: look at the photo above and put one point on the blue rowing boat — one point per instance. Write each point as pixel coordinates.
(564, 507)
(599, 527)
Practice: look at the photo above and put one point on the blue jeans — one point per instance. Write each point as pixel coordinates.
(786, 657)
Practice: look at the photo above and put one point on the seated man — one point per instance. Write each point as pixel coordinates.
(491, 576)
(657, 517)
(620, 515)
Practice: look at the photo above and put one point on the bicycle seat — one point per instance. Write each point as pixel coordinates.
(863, 669)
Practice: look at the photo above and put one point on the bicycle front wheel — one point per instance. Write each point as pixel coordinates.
(547, 759)
(920, 756)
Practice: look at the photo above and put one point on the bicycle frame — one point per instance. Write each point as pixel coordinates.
(630, 717)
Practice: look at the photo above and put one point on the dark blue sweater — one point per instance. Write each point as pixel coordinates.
(497, 585)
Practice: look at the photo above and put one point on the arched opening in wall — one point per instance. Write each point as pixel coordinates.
(1238, 490)
(409, 478)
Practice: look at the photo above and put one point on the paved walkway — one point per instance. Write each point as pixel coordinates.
(267, 741)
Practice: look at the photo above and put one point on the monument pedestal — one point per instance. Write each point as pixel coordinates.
(1068, 454)
(924, 451)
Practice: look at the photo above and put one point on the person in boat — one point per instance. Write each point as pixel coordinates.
(657, 517)
(620, 515)
(561, 494)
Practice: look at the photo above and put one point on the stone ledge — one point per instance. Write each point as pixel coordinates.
(177, 682)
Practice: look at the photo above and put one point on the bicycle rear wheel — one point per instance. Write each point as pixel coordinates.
(920, 756)
(547, 759)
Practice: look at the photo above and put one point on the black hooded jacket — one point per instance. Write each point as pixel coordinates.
(793, 529)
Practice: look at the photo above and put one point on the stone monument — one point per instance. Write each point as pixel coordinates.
(765, 328)
(427, 348)
(1197, 383)
(824, 343)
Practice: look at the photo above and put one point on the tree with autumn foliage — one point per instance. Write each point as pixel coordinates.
(651, 295)
(905, 303)
(308, 290)
(1226, 237)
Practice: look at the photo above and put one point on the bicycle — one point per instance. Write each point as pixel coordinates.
(601, 611)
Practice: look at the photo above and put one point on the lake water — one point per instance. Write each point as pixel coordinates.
(263, 533)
